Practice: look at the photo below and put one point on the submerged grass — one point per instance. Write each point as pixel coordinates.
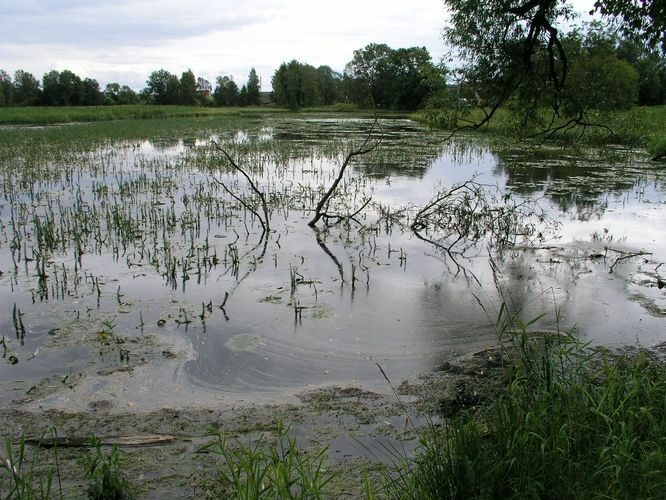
(572, 422)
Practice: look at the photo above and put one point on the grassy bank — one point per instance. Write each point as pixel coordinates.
(571, 422)
(567, 422)
(639, 127)
(50, 115)
(72, 114)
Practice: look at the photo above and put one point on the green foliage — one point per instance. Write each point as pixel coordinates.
(105, 478)
(23, 91)
(598, 79)
(29, 480)
(187, 89)
(6, 89)
(162, 87)
(657, 147)
(297, 85)
(572, 423)
(643, 20)
(393, 78)
(115, 94)
(651, 68)
(516, 57)
(226, 92)
(269, 470)
(253, 88)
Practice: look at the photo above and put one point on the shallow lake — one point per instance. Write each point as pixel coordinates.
(133, 238)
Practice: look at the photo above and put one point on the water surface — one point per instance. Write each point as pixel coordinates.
(139, 239)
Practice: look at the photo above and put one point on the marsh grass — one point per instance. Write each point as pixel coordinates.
(106, 479)
(571, 422)
(25, 478)
(45, 115)
(269, 469)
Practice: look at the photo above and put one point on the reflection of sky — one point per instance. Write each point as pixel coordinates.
(639, 226)
(447, 170)
(409, 314)
(634, 216)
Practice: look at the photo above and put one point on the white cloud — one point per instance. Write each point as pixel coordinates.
(124, 40)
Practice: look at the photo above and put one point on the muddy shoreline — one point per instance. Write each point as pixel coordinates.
(358, 426)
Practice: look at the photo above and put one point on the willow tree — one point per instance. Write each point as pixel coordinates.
(514, 55)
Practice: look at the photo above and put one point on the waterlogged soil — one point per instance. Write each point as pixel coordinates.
(162, 450)
(139, 297)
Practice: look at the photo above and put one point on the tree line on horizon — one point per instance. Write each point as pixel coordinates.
(621, 72)
(377, 76)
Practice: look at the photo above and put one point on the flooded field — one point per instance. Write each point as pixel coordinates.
(138, 268)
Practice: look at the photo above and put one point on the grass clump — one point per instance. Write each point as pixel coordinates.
(25, 478)
(572, 422)
(106, 480)
(264, 469)
(657, 147)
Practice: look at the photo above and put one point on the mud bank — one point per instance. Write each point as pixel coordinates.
(363, 430)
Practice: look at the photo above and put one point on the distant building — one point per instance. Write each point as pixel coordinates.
(266, 98)
(204, 87)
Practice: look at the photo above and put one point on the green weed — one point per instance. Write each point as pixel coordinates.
(572, 422)
(28, 480)
(265, 469)
(106, 480)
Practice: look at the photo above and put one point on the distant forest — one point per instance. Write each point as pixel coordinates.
(377, 76)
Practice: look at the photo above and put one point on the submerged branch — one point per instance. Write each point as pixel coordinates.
(625, 256)
(327, 251)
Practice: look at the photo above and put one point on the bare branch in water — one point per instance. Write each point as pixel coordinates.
(365, 148)
(265, 221)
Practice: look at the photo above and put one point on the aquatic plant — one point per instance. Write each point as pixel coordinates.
(28, 479)
(275, 469)
(106, 480)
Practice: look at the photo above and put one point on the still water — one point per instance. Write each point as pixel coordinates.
(140, 239)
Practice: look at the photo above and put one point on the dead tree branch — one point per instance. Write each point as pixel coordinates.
(265, 221)
(625, 256)
(365, 148)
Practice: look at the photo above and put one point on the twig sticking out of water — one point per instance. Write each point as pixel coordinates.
(265, 220)
(365, 148)
(625, 256)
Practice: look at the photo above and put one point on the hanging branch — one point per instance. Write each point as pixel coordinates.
(265, 224)
(365, 148)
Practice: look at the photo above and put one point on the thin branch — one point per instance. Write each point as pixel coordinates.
(365, 148)
(242, 202)
(266, 222)
(625, 256)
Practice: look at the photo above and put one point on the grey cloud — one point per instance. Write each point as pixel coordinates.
(80, 22)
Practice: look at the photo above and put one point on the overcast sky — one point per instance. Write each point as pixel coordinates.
(125, 40)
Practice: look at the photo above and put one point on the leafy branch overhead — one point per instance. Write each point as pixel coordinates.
(517, 55)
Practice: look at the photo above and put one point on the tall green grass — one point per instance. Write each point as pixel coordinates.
(637, 127)
(264, 469)
(572, 422)
(48, 115)
(24, 477)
